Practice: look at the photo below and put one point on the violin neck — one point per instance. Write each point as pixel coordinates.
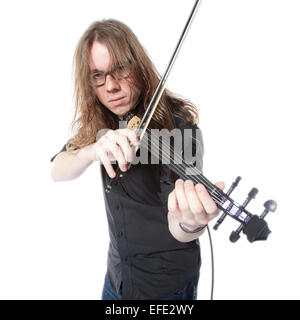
(222, 200)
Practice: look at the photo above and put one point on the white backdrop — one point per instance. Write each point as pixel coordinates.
(239, 65)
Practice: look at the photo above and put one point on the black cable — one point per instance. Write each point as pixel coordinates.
(212, 265)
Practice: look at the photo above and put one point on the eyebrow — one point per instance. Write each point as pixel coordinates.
(118, 66)
(97, 71)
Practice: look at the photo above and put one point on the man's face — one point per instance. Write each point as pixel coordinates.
(119, 96)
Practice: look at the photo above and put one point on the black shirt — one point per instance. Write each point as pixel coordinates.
(143, 255)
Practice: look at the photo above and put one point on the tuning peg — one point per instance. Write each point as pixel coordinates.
(235, 235)
(223, 216)
(234, 185)
(270, 206)
(251, 195)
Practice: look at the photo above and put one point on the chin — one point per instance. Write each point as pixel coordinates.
(121, 111)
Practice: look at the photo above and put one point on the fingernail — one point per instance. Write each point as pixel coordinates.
(189, 183)
(112, 175)
(199, 187)
(178, 182)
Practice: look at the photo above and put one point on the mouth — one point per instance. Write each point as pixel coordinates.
(117, 99)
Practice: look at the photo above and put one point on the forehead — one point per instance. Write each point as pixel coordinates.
(99, 57)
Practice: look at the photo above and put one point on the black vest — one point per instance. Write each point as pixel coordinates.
(143, 255)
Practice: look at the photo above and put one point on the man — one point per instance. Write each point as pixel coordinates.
(154, 225)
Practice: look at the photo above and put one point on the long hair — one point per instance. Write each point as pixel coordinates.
(90, 114)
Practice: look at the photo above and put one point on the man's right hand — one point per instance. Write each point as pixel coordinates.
(115, 145)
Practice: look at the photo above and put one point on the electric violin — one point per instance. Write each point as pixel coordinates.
(253, 226)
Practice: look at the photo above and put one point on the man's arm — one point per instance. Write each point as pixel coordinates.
(69, 166)
(114, 145)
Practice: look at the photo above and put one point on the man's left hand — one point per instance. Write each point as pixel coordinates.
(192, 205)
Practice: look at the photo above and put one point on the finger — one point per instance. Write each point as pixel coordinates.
(111, 144)
(103, 156)
(118, 154)
(123, 142)
(208, 203)
(173, 205)
(130, 135)
(220, 185)
(183, 202)
(194, 202)
(120, 138)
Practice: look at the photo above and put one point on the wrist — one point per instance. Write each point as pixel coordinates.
(195, 230)
(89, 152)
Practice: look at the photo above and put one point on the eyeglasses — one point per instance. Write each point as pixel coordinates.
(98, 78)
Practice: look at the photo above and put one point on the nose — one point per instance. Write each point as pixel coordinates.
(111, 83)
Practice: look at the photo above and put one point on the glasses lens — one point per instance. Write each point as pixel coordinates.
(98, 79)
(121, 72)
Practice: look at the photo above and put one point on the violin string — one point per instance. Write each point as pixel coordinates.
(204, 178)
(180, 170)
(182, 174)
(187, 166)
(195, 170)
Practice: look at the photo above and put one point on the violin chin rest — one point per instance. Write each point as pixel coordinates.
(134, 123)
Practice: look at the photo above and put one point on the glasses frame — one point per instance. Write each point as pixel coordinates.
(112, 73)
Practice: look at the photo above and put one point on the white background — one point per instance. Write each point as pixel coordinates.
(239, 65)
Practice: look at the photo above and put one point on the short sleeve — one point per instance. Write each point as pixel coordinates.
(63, 149)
